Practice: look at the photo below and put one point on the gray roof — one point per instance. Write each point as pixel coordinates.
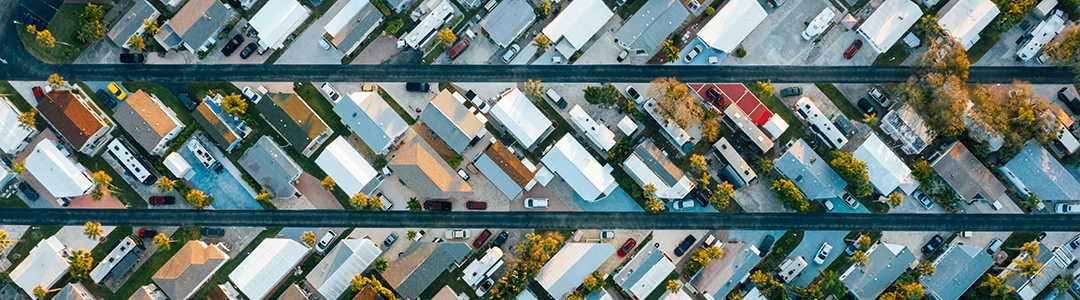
(131, 21)
(167, 37)
(1042, 174)
(419, 265)
(396, 5)
(723, 274)
(810, 173)
(208, 25)
(658, 163)
(73, 291)
(271, 167)
(372, 119)
(956, 270)
(638, 275)
(451, 121)
(356, 31)
(652, 24)
(885, 262)
(497, 176)
(507, 21)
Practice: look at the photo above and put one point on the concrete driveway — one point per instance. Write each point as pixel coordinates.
(914, 240)
(412, 102)
(1004, 52)
(669, 239)
(778, 39)
(834, 54)
(480, 51)
(758, 197)
(604, 52)
(306, 49)
(378, 51)
(808, 249)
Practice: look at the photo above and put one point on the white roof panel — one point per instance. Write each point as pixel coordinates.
(526, 122)
(333, 274)
(344, 16)
(43, 266)
(568, 268)
(270, 262)
(12, 133)
(597, 133)
(429, 23)
(820, 123)
(888, 23)
(966, 18)
(1042, 34)
(346, 166)
(277, 20)
(65, 177)
(732, 24)
(178, 166)
(579, 169)
(578, 22)
(886, 170)
(627, 126)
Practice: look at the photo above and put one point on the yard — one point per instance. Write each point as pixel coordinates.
(63, 27)
(893, 57)
(30, 239)
(841, 101)
(784, 245)
(143, 275)
(397, 107)
(20, 103)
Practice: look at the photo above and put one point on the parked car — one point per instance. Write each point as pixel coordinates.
(248, 50)
(827, 204)
(145, 233)
(555, 97)
(63, 202)
(28, 191)
(463, 174)
(107, 98)
(390, 240)
(117, 91)
(331, 91)
(685, 245)
(188, 101)
(622, 56)
(38, 93)
(866, 107)
(607, 235)
(632, 93)
(434, 205)
(715, 96)
(682, 204)
(29, 19)
(536, 203)
(212, 231)
(161, 200)
(511, 53)
(1074, 243)
(325, 241)
(852, 49)
(879, 96)
(700, 197)
(850, 200)
(791, 91)
(1063, 208)
(1073, 103)
(458, 47)
(500, 239)
(850, 250)
(627, 246)
(475, 205)
(766, 245)
(481, 239)
(823, 253)
(457, 234)
(923, 199)
(692, 54)
(231, 46)
(485, 286)
(132, 58)
(423, 87)
(933, 244)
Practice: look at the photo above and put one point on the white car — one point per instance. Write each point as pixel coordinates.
(828, 204)
(463, 174)
(250, 94)
(325, 241)
(682, 204)
(330, 91)
(510, 54)
(457, 234)
(536, 203)
(1063, 208)
(850, 201)
(823, 253)
(692, 54)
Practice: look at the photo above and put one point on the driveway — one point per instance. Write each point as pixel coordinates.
(480, 51)
(669, 239)
(102, 52)
(808, 249)
(702, 58)
(778, 39)
(605, 52)
(1004, 52)
(913, 240)
(834, 53)
(757, 196)
(73, 237)
(378, 51)
(412, 102)
(306, 49)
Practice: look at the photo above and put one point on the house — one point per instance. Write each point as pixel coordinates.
(294, 120)
(956, 270)
(44, 266)
(73, 291)
(149, 121)
(131, 22)
(293, 292)
(418, 266)
(148, 292)
(352, 25)
(60, 174)
(1034, 171)
(224, 128)
(447, 116)
(271, 167)
(397, 5)
(650, 26)
(820, 124)
(646, 271)
(887, 171)
(964, 19)
(350, 257)
(368, 293)
(890, 21)
(1041, 34)
(571, 265)
(368, 115)
(885, 262)
(195, 27)
(507, 21)
(738, 119)
(721, 275)
(118, 261)
(809, 172)
(650, 165)
(504, 170)
(348, 168)
(522, 119)
(906, 126)
(13, 136)
(576, 25)
(189, 268)
(972, 181)
(1053, 263)
(483, 267)
(225, 291)
(276, 21)
(427, 28)
(77, 119)
(731, 24)
(736, 172)
(423, 171)
(589, 179)
(268, 266)
(595, 132)
(675, 134)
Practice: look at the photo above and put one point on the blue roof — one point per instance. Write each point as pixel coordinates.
(1040, 173)
(810, 173)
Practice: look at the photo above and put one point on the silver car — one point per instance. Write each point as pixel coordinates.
(511, 53)
(692, 54)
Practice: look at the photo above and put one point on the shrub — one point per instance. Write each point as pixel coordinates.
(709, 11)
(740, 53)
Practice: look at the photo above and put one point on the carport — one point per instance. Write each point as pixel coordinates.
(740, 95)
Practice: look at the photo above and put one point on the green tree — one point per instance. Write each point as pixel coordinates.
(1062, 282)
(697, 164)
(673, 286)
(670, 50)
(150, 26)
(766, 88)
(393, 27)
(921, 170)
(90, 28)
(103, 184)
(414, 205)
(859, 257)
(4, 241)
(850, 168)
(593, 283)
(28, 119)
(699, 258)
(830, 281)
(790, 195)
(308, 238)
(996, 285)
(136, 43)
(895, 200)
(17, 168)
(710, 130)
(198, 199)
(359, 201)
(234, 104)
(652, 203)
(446, 37)
(46, 38)
(926, 268)
(55, 81)
(380, 265)
(1064, 50)
(264, 196)
(411, 234)
(161, 241)
(542, 43)
(927, 27)
(93, 230)
(534, 88)
(80, 263)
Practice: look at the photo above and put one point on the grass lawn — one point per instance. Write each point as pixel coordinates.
(30, 239)
(1012, 244)
(893, 57)
(152, 264)
(13, 202)
(20, 103)
(320, 105)
(204, 88)
(660, 289)
(980, 48)
(222, 274)
(841, 102)
(127, 195)
(166, 98)
(561, 127)
(397, 107)
(795, 129)
(781, 249)
(632, 6)
(63, 27)
(98, 253)
(844, 262)
(437, 50)
(628, 184)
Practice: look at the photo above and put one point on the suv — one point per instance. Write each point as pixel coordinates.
(682, 204)
(132, 58)
(500, 239)
(248, 50)
(325, 241)
(458, 234)
(108, 98)
(1073, 104)
(438, 205)
(232, 45)
(28, 191)
(766, 245)
(536, 203)
(850, 201)
(159, 200)
(923, 199)
(791, 91)
(511, 53)
(879, 96)
(933, 244)
(250, 94)
(212, 231)
(418, 87)
(685, 245)
(866, 107)
(330, 91)
(186, 99)
(1063, 208)
(823, 253)
(852, 49)
(481, 239)
(390, 240)
(692, 54)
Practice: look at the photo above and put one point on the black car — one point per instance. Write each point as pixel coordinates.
(499, 240)
(438, 205)
(29, 19)
(866, 107)
(766, 245)
(1042, 235)
(212, 231)
(188, 101)
(108, 98)
(132, 58)
(390, 240)
(791, 91)
(933, 244)
(248, 50)
(28, 191)
(232, 45)
(418, 87)
(700, 197)
(1073, 104)
(685, 245)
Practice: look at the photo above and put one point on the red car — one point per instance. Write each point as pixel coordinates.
(476, 205)
(159, 200)
(438, 205)
(629, 245)
(480, 240)
(852, 49)
(459, 47)
(145, 233)
(38, 93)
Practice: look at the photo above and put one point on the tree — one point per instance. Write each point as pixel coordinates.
(710, 130)
(414, 205)
(55, 81)
(996, 285)
(859, 257)
(593, 283)
(165, 184)
(380, 265)
(790, 195)
(4, 241)
(1028, 267)
(699, 258)
(1031, 248)
(446, 37)
(673, 286)
(921, 170)
(766, 88)
(264, 196)
(150, 26)
(722, 196)
(863, 242)
(104, 183)
(1064, 50)
(357, 283)
(393, 27)
(652, 203)
(830, 281)
(328, 183)
(31, 29)
(850, 168)
(39, 292)
(895, 199)
(1061, 283)
(17, 168)
(93, 230)
(411, 234)
(541, 42)
(90, 28)
(359, 201)
(697, 164)
(80, 263)
(927, 27)
(233, 104)
(136, 43)
(670, 50)
(675, 102)
(946, 57)
(904, 291)
(198, 199)
(927, 269)
(308, 238)
(162, 241)
(46, 38)
(28, 119)
(534, 88)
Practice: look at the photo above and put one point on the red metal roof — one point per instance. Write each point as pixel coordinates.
(740, 95)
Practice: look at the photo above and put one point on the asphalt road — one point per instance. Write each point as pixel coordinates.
(522, 220)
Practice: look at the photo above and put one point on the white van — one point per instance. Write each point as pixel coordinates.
(791, 268)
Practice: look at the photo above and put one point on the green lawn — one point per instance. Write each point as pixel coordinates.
(204, 88)
(893, 57)
(980, 48)
(29, 239)
(1012, 244)
(437, 50)
(320, 105)
(222, 274)
(13, 202)
(63, 27)
(397, 107)
(844, 262)
(660, 289)
(166, 98)
(126, 194)
(143, 275)
(20, 103)
(561, 127)
(781, 249)
(841, 102)
(630, 7)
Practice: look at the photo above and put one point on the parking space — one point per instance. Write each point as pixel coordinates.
(618, 200)
(1050, 91)
(481, 51)
(235, 238)
(811, 243)
(834, 53)
(555, 203)
(102, 51)
(216, 57)
(528, 51)
(228, 191)
(74, 237)
(307, 49)
(621, 236)
(43, 10)
(758, 196)
(412, 102)
(778, 39)
(146, 191)
(605, 52)
(913, 240)
(1004, 52)
(702, 58)
(669, 239)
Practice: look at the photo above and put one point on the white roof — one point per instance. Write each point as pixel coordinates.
(966, 18)
(682, 295)
(277, 20)
(350, 257)
(732, 24)
(579, 169)
(818, 25)
(568, 268)
(43, 266)
(58, 173)
(636, 165)
(11, 132)
(1067, 139)
(106, 265)
(597, 133)
(888, 23)
(543, 176)
(526, 122)
(1042, 34)
(627, 126)
(431, 22)
(819, 121)
(267, 265)
(178, 166)
(478, 269)
(743, 122)
(578, 22)
(775, 126)
(346, 15)
(346, 166)
(886, 170)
